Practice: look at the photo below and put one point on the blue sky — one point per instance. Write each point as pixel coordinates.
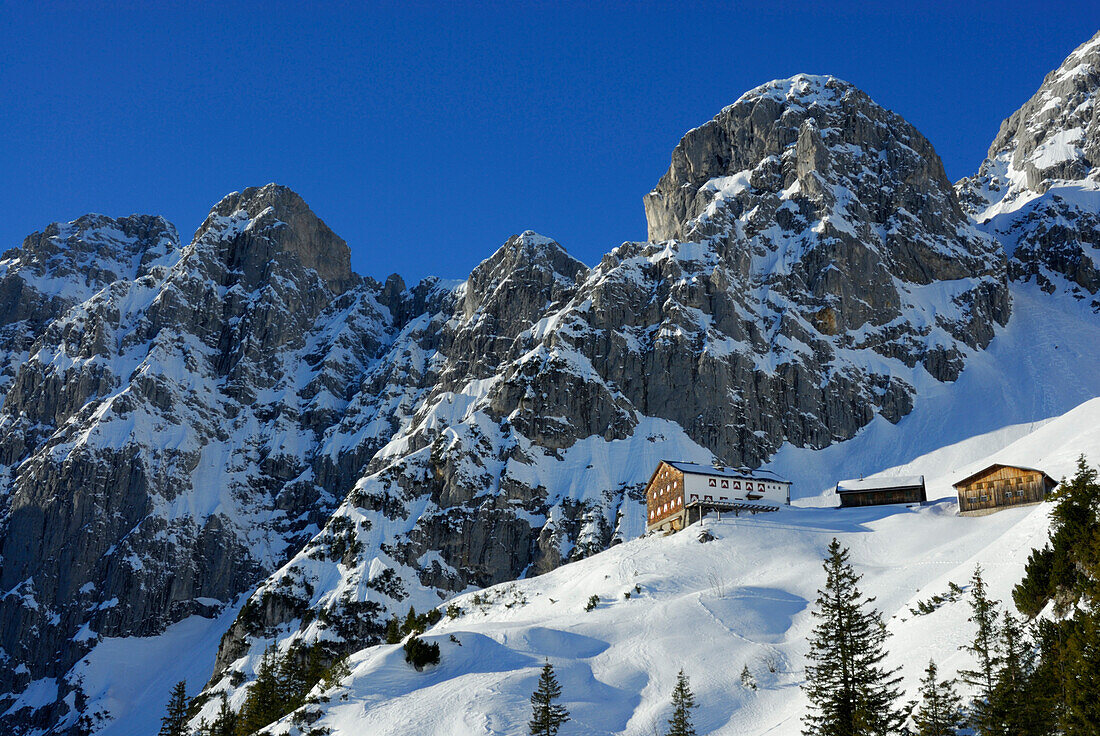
(426, 134)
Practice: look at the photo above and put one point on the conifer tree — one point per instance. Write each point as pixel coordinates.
(747, 679)
(264, 702)
(315, 668)
(1068, 568)
(1081, 680)
(986, 650)
(546, 715)
(1020, 703)
(175, 718)
(1063, 688)
(851, 693)
(291, 681)
(225, 722)
(939, 712)
(683, 702)
(393, 631)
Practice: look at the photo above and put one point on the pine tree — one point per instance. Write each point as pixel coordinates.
(1063, 687)
(986, 650)
(393, 631)
(747, 679)
(1081, 679)
(683, 702)
(315, 668)
(225, 722)
(175, 719)
(1068, 568)
(850, 692)
(291, 682)
(546, 715)
(939, 712)
(264, 702)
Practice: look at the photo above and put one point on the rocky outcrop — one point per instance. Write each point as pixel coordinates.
(1038, 191)
(841, 212)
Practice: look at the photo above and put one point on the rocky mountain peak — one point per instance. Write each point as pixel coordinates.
(82, 256)
(1038, 191)
(805, 186)
(1054, 136)
(528, 258)
(262, 225)
(790, 139)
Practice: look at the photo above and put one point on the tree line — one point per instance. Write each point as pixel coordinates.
(283, 682)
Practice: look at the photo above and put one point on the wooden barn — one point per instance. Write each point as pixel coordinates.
(884, 491)
(1000, 486)
(680, 492)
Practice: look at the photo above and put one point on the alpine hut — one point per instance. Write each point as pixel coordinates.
(882, 491)
(1000, 486)
(679, 492)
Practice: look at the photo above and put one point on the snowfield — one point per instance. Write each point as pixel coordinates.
(742, 599)
(746, 597)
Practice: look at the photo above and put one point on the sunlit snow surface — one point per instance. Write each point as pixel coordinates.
(743, 599)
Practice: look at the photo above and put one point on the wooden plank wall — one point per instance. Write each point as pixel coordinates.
(1003, 487)
(667, 485)
(880, 498)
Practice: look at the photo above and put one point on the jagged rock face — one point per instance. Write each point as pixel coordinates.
(280, 232)
(66, 264)
(1038, 191)
(834, 214)
(160, 437)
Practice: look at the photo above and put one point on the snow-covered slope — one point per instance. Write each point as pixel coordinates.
(816, 271)
(621, 659)
(710, 608)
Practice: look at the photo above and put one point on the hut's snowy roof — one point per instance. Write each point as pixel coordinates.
(882, 483)
(725, 472)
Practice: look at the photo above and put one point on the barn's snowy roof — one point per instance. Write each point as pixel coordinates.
(880, 484)
(724, 472)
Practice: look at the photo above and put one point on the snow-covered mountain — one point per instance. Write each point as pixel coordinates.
(238, 441)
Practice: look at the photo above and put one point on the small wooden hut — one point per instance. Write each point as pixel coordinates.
(1000, 486)
(883, 491)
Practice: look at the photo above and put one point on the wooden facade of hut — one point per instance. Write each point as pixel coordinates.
(884, 491)
(1001, 486)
